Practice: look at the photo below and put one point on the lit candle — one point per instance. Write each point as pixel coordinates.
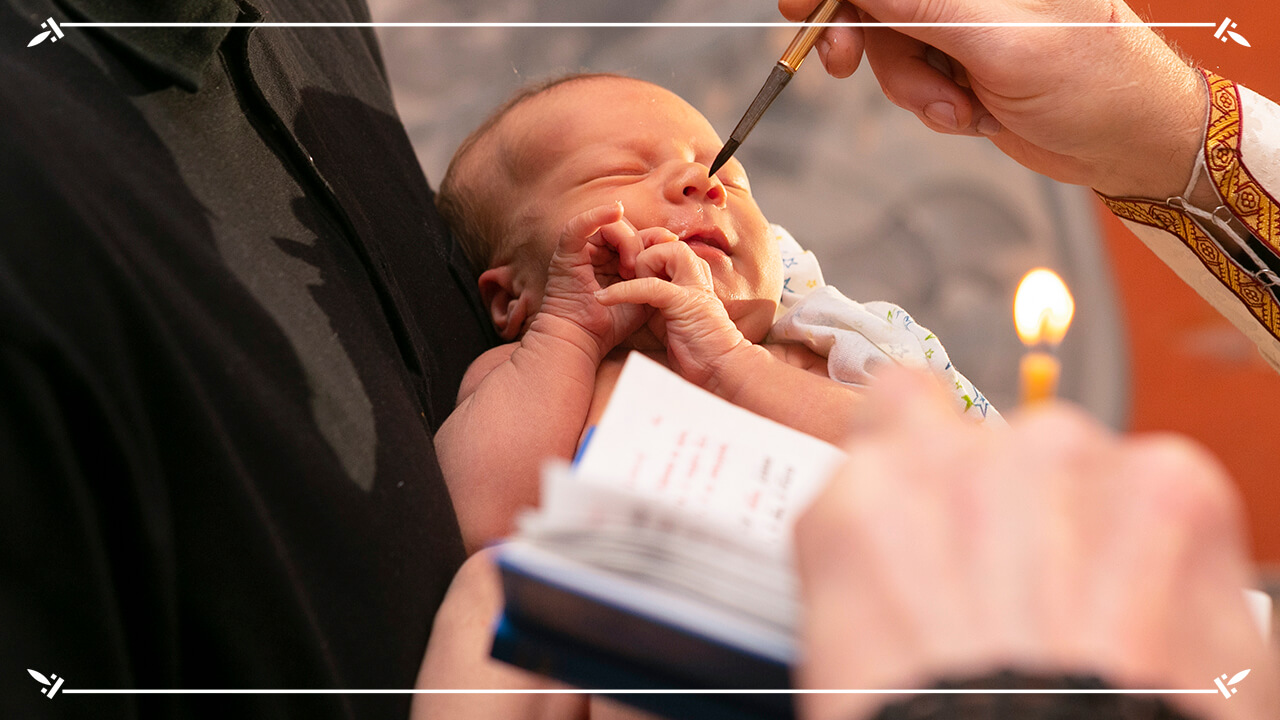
(1042, 311)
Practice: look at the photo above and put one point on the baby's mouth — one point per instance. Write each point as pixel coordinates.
(704, 242)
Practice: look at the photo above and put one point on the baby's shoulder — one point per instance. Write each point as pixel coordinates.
(482, 366)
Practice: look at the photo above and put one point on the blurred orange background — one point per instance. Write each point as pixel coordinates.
(1192, 372)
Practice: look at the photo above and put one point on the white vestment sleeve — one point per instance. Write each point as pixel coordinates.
(1229, 254)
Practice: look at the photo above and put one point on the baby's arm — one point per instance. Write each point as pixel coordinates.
(782, 383)
(527, 401)
(705, 347)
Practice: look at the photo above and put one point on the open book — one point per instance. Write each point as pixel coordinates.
(662, 558)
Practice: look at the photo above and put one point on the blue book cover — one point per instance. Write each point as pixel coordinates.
(585, 639)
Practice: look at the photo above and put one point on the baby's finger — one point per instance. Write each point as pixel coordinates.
(657, 236)
(621, 237)
(677, 263)
(644, 240)
(600, 254)
(651, 291)
(606, 268)
(582, 227)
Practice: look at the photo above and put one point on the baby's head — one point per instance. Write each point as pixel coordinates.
(558, 149)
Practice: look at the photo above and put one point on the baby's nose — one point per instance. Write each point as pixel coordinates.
(689, 183)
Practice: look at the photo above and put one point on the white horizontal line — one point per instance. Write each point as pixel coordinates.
(926, 691)
(626, 24)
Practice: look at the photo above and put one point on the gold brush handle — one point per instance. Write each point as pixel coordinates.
(804, 40)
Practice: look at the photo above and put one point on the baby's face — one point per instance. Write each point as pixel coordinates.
(595, 141)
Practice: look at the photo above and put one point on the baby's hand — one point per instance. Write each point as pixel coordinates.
(701, 339)
(597, 249)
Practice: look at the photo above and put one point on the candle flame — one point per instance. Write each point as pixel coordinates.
(1042, 308)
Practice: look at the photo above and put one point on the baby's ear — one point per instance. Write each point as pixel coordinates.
(508, 299)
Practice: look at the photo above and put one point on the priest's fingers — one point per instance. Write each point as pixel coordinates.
(923, 80)
(1055, 547)
(839, 48)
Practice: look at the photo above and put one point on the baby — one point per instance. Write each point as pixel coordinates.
(586, 206)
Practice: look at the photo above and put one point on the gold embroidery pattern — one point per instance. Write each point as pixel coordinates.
(1243, 194)
(1244, 286)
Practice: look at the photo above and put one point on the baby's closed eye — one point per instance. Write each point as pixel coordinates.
(625, 171)
(619, 174)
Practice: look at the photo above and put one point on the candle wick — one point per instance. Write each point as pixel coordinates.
(1042, 332)
(1046, 316)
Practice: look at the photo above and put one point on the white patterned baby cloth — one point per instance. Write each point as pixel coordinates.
(858, 338)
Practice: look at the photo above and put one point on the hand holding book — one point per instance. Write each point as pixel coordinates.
(939, 550)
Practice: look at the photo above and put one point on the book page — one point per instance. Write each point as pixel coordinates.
(706, 556)
(667, 440)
